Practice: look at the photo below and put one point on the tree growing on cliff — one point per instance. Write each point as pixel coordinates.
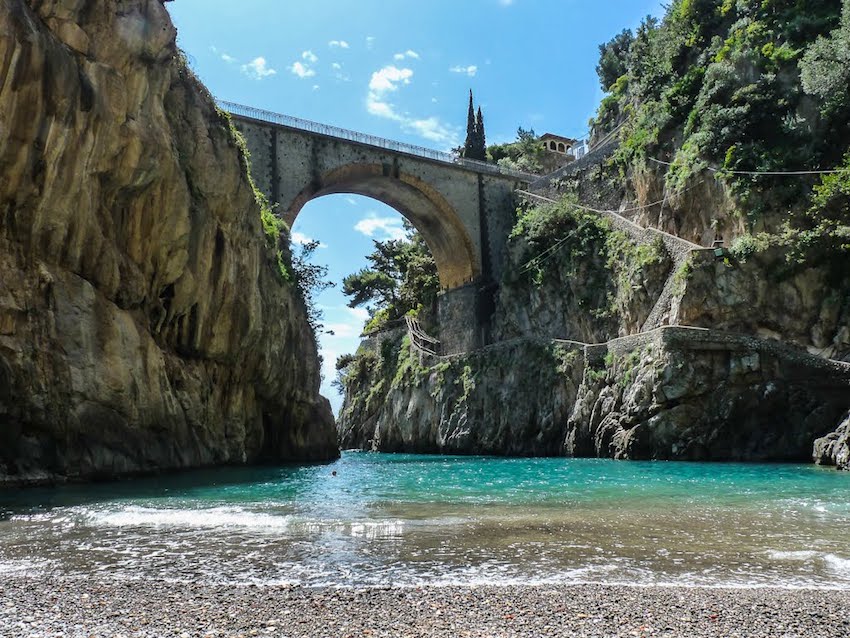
(402, 276)
(311, 280)
(613, 59)
(825, 68)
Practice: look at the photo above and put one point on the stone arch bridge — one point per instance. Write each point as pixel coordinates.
(464, 209)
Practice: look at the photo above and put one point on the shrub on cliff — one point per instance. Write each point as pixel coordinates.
(741, 85)
(402, 277)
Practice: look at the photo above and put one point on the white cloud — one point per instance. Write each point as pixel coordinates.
(339, 75)
(360, 314)
(431, 128)
(407, 54)
(316, 87)
(228, 58)
(258, 69)
(389, 227)
(370, 42)
(470, 70)
(387, 80)
(300, 238)
(310, 57)
(338, 44)
(302, 70)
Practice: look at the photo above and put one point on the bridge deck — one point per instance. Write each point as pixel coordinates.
(372, 140)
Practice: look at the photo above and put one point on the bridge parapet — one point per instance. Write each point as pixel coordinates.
(372, 140)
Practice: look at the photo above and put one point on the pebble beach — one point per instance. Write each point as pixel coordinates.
(75, 607)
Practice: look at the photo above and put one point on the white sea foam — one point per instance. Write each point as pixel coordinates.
(237, 518)
(24, 567)
(376, 529)
(838, 565)
(803, 555)
(212, 518)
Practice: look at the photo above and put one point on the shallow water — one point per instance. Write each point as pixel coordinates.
(408, 520)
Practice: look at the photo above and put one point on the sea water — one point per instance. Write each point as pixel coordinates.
(407, 520)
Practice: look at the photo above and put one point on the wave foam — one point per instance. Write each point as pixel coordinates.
(236, 518)
(216, 517)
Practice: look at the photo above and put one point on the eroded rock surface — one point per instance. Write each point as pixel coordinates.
(512, 399)
(674, 393)
(834, 448)
(806, 305)
(144, 322)
(685, 394)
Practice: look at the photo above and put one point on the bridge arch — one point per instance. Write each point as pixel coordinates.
(423, 206)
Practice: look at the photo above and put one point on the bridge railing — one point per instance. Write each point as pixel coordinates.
(372, 140)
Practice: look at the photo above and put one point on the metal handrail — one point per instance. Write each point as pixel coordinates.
(371, 140)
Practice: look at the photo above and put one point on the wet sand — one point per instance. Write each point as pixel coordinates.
(74, 607)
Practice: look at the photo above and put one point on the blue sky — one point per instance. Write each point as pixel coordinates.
(400, 69)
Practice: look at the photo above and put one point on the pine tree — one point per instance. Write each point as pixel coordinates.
(480, 140)
(469, 146)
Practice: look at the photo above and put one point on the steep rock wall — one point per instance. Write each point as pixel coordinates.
(671, 394)
(511, 399)
(144, 322)
(703, 395)
(834, 448)
(806, 304)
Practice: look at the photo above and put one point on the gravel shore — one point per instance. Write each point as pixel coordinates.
(41, 607)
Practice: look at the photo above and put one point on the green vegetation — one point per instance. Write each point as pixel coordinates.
(741, 85)
(681, 276)
(402, 278)
(563, 241)
(475, 146)
(525, 154)
(310, 280)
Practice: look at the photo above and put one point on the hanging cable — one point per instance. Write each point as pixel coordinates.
(720, 170)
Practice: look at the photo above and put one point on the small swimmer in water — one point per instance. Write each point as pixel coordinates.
(333, 473)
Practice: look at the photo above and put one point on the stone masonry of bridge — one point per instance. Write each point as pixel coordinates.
(464, 210)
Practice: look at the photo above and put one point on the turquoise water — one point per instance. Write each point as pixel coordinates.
(410, 520)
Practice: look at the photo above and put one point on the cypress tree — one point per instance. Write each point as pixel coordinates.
(469, 147)
(480, 140)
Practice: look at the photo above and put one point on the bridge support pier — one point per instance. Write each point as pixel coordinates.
(463, 325)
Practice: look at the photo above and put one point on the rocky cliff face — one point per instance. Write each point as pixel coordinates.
(509, 399)
(685, 394)
(834, 448)
(144, 322)
(805, 304)
(674, 393)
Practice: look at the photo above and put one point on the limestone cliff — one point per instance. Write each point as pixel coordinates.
(834, 448)
(145, 323)
(674, 393)
(510, 399)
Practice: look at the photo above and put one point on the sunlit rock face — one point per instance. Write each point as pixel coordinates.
(674, 394)
(834, 448)
(144, 322)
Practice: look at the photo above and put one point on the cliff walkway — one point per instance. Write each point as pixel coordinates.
(678, 249)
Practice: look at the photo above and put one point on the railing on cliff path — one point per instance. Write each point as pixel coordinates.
(420, 340)
(372, 140)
